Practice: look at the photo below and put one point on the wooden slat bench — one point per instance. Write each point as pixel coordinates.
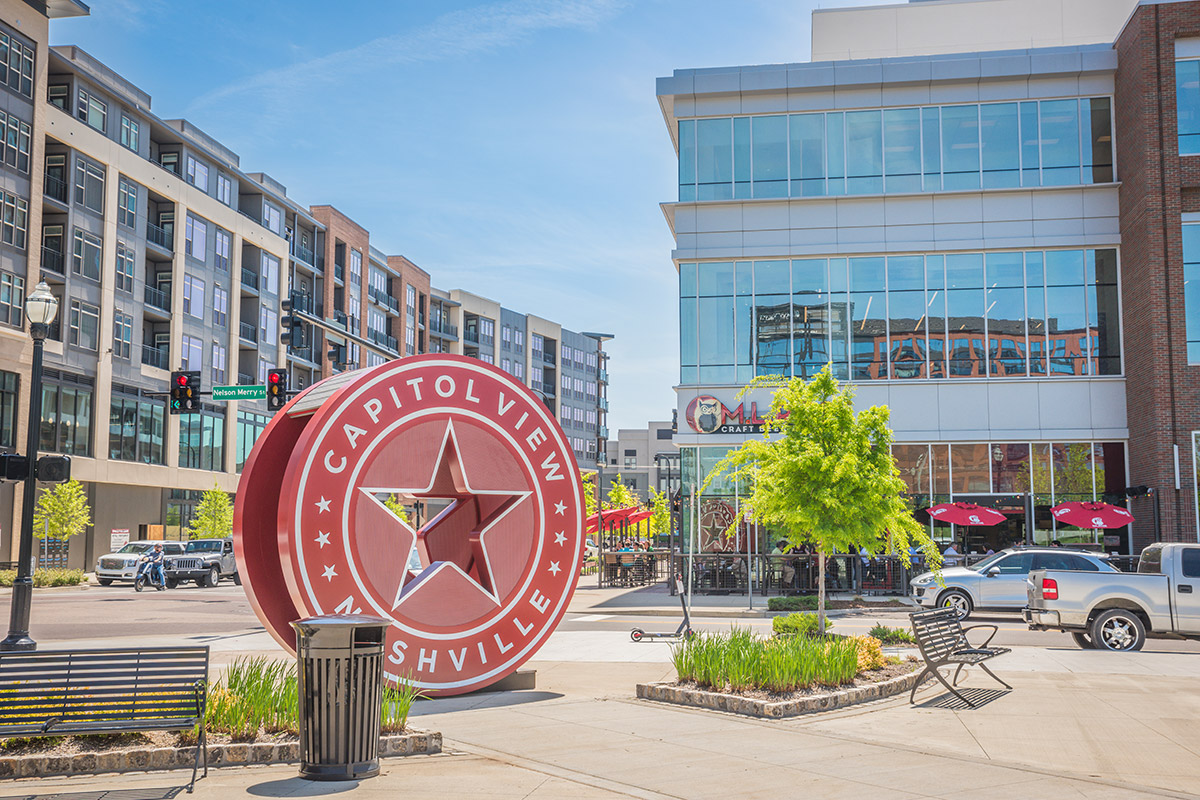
(943, 643)
(63, 693)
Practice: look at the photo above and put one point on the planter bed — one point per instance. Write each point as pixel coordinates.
(891, 680)
(160, 751)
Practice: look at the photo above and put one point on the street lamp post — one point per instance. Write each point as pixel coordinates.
(40, 308)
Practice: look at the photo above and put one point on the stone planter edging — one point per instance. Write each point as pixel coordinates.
(219, 755)
(747, 706)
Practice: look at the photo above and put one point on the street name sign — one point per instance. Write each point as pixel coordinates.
(256, 392)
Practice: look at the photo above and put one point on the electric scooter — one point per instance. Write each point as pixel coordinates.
(684, 631)
(146, 576)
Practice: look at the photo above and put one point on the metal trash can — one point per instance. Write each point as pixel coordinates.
(340, 668)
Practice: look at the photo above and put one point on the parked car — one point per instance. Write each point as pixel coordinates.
(1119, 612)
(204, 561)
(122, 565)
(998, 581)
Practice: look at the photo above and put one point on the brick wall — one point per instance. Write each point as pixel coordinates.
(1162, 391)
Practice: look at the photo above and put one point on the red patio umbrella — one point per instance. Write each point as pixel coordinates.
(1087, 514)
(965, 514)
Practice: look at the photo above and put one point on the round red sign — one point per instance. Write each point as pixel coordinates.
(474, 591)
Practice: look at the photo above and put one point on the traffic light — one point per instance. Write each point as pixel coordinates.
(13, 467)
(277, 388)
(185, 392)
(337, 354)
(54, 469)
(293, 326)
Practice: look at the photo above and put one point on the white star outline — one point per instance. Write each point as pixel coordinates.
(427, 572)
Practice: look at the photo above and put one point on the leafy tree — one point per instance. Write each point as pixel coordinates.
(620, 495)
(660, 507)
(62, 511)
(588, 481)
(824, 476)
(214, 516)
(394, 505)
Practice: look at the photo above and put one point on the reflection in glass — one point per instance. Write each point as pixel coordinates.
(1031, 146)
(687, 160)
(1191, 290)
(810, 333)
(773, 277)
(939, 455)
(868, 330)
(743, 323)
(960, 147)
(1066, 330)
(715, 278)
(913, 462)
(1000, 145)
(714, 159)
(906, 333)
(741, 157)
(1010, 468)
(835, 152)
(1006, 331)
(687, 332)
(931, 148)
(687, 280)
(1097, 139)
(902, 148)
(716, 333)
(772, 322)
(1187, 105)
(1060, 142)
(770, 137)
(969, 463)
(864, 152)
(806, 139)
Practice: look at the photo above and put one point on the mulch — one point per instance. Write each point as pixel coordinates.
(862, 679)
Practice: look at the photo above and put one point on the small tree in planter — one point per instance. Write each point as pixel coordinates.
(824, 475)
(395, 505)
(214, 516)
(62, 511)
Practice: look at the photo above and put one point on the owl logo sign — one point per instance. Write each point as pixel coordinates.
(475, 586)
(707, 414)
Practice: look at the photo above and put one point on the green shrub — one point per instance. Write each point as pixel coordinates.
(742, 660)
(802, 624)
(800, 603)
(46, 577)
(892, 635)
(397, 702)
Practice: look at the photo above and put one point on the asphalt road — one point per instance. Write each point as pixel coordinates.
(119, 611)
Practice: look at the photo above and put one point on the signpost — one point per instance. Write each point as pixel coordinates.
(255, 392)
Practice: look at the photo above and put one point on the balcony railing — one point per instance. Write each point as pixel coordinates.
(52, 260)
(304, 254)
(603, 376)
(159, 235)
(548, 357)
(383, 340)
(340, 318)
(156, 298)
(248, 332)
(339, 272)
(602, 433)
(56, 188)
(602, 404)
(249, 278)
(445, 328)
(384, 299)
(471, 335)
(245, 380)
(155, 357)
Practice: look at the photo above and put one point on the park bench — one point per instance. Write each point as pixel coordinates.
(942, 641)
(63, 693)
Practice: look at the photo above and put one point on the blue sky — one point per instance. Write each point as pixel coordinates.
(515, 149)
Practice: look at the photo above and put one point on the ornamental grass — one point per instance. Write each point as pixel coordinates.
(740, 661)
(46, 577)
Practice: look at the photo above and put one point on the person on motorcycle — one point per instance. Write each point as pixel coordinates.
(155, 567)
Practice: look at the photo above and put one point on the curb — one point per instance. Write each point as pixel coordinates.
(220, 755)
(719, 613)
(749, 707)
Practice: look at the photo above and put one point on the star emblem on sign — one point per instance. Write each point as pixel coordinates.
(455, 546)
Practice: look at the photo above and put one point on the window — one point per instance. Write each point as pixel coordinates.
(221, 249)
(195, 241)
(224, 189)
(518, 339)
(197, 173)
(218, 363)
(193, 296)
(92, 110)
(129, 132)
(273, 218)
(16, 220)
(57, 95)
(66, 418)
(220, 307)
(566, 383)
(268, 324)
(192, 357)
(85, 325)
(933, 148)
(1189, 562)
(9, 381)
(169, 161)
(122, 335)
(18, 56)
(270, 273)
(506, 365)
(377, 281)
(124, 267)
(15, 140)
(87, 254)
(519, 370)
(135, 428)
(12, 299)
(89, 185)
(265, 365)
(355, 268)
(127, 195)
(202, 441)
(249, 427)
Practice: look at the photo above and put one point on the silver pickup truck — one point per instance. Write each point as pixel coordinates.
(1119, 611)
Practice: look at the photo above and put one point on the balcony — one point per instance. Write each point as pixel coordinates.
(603, 377)
(56, 188)
(155, 357)
(52, 260)
(340, 319)
(156, 298)
(383, 299)
(602, 432)
(383, 340)
(249, 278)
(444, 329)
(602, 404)
(156, 234)
(339, 272)
(471, 335)
(304, 254)
(245, 380)
(248, 332)
(548, 357)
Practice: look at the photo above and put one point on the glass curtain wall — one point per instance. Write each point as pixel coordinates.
(926, 149)
(903, 317)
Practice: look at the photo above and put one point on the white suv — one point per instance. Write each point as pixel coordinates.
(122, 565)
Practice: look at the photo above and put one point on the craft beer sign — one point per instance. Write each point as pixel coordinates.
(473, 592)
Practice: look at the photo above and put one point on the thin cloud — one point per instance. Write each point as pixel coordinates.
(460, 33)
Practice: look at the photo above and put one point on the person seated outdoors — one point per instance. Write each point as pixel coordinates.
(950, 556)
(789, 570)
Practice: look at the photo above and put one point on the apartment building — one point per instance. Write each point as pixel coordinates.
(985, 215)
(645, 458)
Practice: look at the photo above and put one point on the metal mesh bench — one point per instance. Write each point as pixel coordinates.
(65, 693)
(942, 641)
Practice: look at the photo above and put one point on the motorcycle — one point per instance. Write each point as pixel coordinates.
(146, 575)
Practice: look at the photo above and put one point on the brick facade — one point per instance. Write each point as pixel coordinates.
(1157, 186)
